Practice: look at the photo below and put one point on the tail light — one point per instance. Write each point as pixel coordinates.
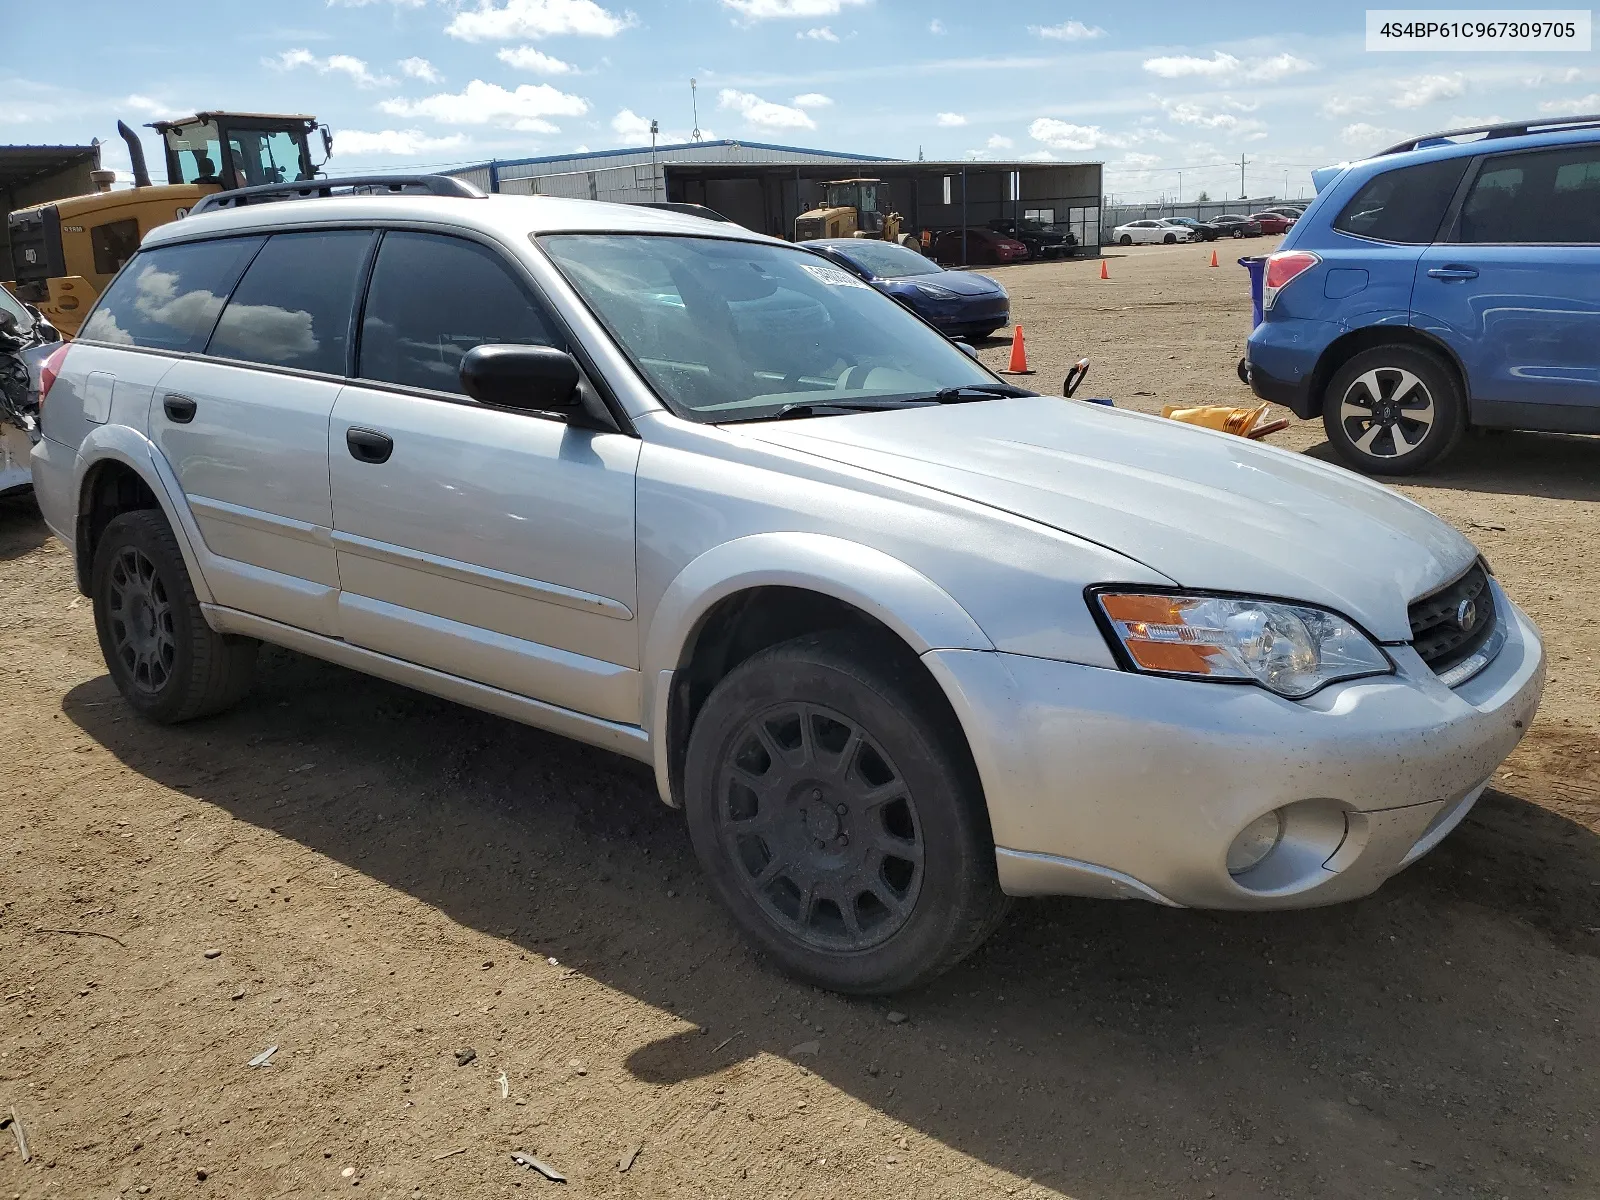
(1283, 269)
(50, 369)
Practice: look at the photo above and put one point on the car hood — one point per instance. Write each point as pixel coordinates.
(962, 283)
(1207, 510)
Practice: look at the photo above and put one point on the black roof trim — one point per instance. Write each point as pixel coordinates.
(1503, 130)
(318, 189)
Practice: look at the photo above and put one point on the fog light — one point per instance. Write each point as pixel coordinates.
(1258, 840)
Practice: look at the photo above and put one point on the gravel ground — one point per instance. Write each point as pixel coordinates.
(383, 885)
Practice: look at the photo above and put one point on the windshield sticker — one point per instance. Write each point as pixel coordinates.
(832, 276)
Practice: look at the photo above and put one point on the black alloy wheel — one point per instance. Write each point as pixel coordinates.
(139, 615)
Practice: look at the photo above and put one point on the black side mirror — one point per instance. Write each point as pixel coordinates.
(536, 378)
(968, 349)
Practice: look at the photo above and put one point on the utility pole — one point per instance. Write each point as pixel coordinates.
(1243, 195)
(1286, 185)
(655, 189)
(1180, 187)
(694, 100)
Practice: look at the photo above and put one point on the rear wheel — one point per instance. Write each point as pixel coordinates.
(165, 660)
(1393, 410)
(833, 805)
(1238, 231)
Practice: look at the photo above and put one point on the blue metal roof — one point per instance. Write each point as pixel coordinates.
(574, 154)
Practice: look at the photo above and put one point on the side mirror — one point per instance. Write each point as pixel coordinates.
(535, 378)
(968, 349)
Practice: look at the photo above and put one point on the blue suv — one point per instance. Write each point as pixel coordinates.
(1451, 281)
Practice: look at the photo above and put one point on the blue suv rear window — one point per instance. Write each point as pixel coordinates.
(1406, 205)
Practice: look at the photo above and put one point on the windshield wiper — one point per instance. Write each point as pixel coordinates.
(823, 408)
(974, 391)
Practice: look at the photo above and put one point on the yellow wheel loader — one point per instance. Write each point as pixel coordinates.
(64, 253)
(851, 211)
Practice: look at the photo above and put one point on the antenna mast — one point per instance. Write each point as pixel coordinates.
(694, 100)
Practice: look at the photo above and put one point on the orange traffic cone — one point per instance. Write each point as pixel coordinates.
(1104, 274)
(1213, 258)
(1019, 356)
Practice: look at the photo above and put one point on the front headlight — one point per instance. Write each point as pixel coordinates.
(936, 293)
(1290, 649)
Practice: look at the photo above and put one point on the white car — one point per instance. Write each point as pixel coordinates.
(1152, 232)
(902, 639)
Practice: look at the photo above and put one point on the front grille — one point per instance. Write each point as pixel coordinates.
(1451, 624)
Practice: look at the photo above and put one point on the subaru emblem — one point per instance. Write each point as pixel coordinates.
(1467, 614)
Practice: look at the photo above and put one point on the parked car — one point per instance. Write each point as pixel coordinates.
(901, 639)
(958, 303)
(1144, 233)
(1042, 241)
(1272, 223)
(1229, 225)
(1292, 211)
(1188, 223)
(1439, 286)
(980, 246)
(25, 337)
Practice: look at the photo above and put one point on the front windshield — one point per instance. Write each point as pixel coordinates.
(732, 330)
(885, 260)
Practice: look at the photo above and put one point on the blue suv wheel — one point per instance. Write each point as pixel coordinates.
(1392, 410)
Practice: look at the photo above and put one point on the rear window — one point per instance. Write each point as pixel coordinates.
(1406, 205)
(1540, 197)
(168, 298)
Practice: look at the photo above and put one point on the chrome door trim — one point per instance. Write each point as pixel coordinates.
(628, 740)
(487, 577)
(262, 522)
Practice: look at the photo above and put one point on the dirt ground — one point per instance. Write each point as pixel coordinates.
(382, 885)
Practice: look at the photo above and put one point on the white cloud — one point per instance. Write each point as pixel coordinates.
(1426, 89)
(1038, 156)
(1347, 106)
(526, 58)
(420, 68)
(1280, 66)
(396, 143)
(1134, 159)
(1063, 135)
(813, 100)
(764, 113)
(769, 10)
(936, 26)
(369, 3)
(148, 107)
(1579, 104)
(1186, 113)
(630, 126)
(534, 19)
(820, 34)
(949, 120)
(482, 103)
(1067, 31)
(1541, 79)
(341, 64)
(999, 141)
(1368, 137)
(1187, 65)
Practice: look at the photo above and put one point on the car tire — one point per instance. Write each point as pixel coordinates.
(1169, 239)
(1238, 233)
(166, 661)
(837, 813)
(1418, 411)
(1125, 240)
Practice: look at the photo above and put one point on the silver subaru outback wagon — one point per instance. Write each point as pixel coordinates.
(901, 639)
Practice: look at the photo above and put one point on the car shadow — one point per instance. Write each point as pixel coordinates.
(22, 529)
(1557, 466)
(1332, 1052)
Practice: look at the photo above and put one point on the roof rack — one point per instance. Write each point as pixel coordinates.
(314, 189)
(1503, 130)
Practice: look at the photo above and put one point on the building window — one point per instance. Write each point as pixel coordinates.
(1044, 216)
(949, 180)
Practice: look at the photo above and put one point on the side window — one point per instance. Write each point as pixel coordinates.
(294, 304)
(432, 299)
(1540, 197)
(168, 297)
(113, 244)
(1405, 205)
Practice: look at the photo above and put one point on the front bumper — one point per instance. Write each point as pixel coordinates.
(1119, 785)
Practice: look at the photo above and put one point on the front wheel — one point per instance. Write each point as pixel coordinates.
(836, 810)
(1126, 239)
(1393, 410)
(1238, 233)
(1169, 239)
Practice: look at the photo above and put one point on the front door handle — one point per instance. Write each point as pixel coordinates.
(178, 408)
(368, 445)
(1453, 274)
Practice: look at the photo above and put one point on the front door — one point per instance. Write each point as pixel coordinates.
(1515, 289)
(245, 426)
(494, 545)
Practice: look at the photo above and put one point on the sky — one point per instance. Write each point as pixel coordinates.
(1167, 95)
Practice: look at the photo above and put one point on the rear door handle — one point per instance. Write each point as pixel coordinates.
(1453, 274)
(179, 409)
(368, 445)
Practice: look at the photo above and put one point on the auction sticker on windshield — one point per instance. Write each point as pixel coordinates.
(832, 276)
(1478, 29)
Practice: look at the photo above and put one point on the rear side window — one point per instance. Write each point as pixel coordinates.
(432, 299)
(113, 244)
(294, 305)
(1405, 206)
(1540, 197)
(168, 298)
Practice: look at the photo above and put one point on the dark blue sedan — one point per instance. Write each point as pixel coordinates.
(957, 303)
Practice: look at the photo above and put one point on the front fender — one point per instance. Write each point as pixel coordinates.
(121, 444)
(918, 610)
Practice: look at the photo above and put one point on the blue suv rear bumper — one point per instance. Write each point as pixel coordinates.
(1282, 355)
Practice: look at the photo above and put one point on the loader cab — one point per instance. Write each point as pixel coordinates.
(234, 150)
(861, 195)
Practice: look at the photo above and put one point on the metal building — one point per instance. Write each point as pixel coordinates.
(765, 187)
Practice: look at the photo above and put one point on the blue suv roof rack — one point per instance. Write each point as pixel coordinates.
(1502, 130)
(315, 189)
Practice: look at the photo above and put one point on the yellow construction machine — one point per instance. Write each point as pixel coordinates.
(851, 210)
(64, 253)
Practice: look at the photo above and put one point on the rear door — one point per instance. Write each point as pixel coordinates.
(245, 426)
(1515, 289)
